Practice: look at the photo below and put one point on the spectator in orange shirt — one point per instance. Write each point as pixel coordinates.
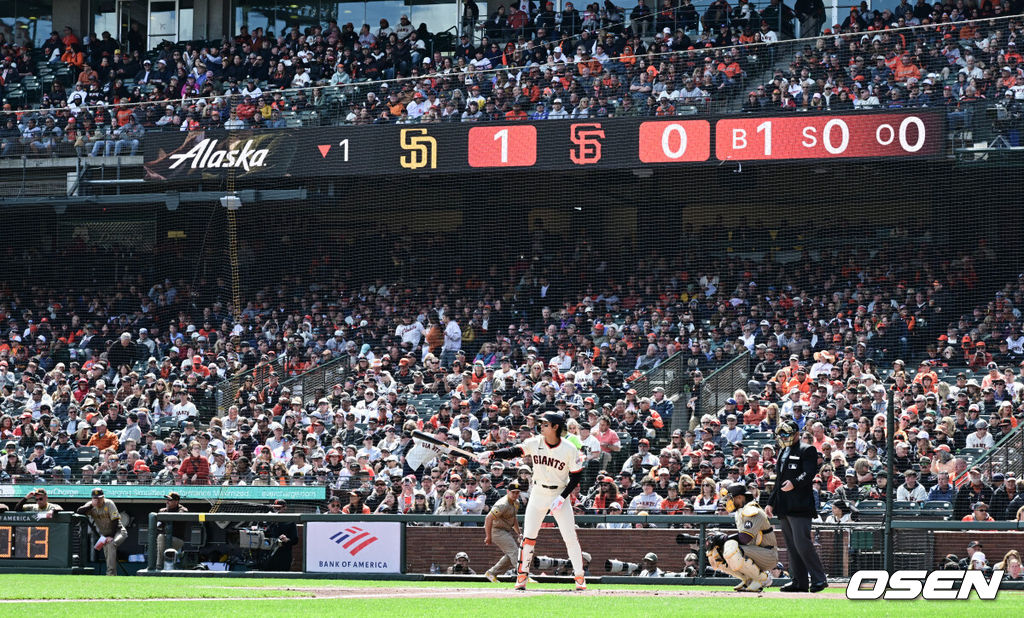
(673, 503)
(801, 382)
(755, 413)
(906, 67)
(753, 465)
(73, 55)
(103, 439)
(979, 513)
(516, 113)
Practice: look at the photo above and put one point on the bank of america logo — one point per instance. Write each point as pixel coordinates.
(354, 540)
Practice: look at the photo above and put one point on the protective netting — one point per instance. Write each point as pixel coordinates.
(673, 285)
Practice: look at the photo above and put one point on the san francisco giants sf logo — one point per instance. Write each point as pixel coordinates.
(422, 149)
(587, 137)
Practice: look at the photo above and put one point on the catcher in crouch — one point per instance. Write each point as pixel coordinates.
(750, 553)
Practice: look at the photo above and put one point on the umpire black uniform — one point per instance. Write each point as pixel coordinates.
(797, 464)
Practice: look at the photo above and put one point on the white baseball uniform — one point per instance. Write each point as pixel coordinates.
(552, 466)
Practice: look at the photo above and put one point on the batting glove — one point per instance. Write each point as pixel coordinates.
(557, 503)
(483, 458)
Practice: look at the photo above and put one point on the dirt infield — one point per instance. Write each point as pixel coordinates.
(509, 593)
(447, 593)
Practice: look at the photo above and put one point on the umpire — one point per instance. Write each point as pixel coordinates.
(792, 501)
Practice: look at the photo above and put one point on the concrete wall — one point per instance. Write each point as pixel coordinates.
(72, 13)
(425, 545)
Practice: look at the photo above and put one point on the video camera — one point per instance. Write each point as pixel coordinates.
(254, 538)
(547, 562)
(618, 566)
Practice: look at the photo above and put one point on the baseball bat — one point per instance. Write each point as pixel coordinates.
(426, 437)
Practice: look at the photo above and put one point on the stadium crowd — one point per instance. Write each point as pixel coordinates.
(128, 371)
(95, 97)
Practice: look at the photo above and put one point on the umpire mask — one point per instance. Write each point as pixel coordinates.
(787, 434)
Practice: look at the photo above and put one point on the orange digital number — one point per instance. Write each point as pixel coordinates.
(39, 542)
(5, 541)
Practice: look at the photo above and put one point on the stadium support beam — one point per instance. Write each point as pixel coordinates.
(248, 195)
(890, 466)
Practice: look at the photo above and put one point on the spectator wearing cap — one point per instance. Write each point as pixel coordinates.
(1003, 496)
(103, 439)
(672, 503)
(732, 432)
(172, 532)
(752, 464)
(980, 438)
(911, 490)
(850, 491)
(461, 566)
(287, 536)
(979, 512)
(614, 508)
(647, 500)
(63, 452)
(662, 404)
(38, 457)
(973, 491)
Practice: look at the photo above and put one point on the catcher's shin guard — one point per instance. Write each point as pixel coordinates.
(751, 576)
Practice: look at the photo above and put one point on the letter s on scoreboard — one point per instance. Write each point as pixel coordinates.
(675, 141)
(829, 137)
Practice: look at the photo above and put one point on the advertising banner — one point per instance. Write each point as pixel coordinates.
(353, 547)
(188, 492)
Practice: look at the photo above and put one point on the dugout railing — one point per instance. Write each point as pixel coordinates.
(844, 548)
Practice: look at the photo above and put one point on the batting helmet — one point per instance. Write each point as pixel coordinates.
(740, 489)
(556, 419)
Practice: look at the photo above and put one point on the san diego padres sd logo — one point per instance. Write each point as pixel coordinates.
(587, 138)
(422, 149)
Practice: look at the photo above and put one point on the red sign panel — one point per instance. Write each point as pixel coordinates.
(674, 141)
(828, 137)
(503, 146)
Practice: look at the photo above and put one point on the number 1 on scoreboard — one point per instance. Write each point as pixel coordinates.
(766, 128)
(503, 136)
(502, 146)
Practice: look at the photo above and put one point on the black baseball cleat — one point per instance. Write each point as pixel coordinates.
(818, 587)
(792, 587)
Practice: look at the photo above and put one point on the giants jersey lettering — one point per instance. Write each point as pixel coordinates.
(551, 464)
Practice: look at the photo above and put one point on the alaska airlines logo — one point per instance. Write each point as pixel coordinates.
(205, 155)
(354, 540)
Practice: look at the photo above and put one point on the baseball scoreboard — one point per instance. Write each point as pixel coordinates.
(590, 143)
(29, 542)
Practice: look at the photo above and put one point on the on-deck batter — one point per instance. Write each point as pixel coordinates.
(557, 469)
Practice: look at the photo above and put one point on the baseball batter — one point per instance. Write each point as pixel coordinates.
(557, 468)
(751, 552)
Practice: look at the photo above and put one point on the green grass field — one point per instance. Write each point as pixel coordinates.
(106, 596)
